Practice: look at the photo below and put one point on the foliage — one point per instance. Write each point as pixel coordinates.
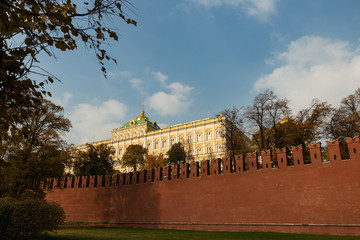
(154, 162)
(28, 218)
(134, 157)
(35, 152)
(31, 27)
(272, 125)
(308, 126)
(176, 154)
(265, 114)
(236, 142)
(345, 120)
(258, 117)
(94, 160)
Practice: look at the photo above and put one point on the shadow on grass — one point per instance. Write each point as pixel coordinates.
(95, 233)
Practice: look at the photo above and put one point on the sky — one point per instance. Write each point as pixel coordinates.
(194, 58)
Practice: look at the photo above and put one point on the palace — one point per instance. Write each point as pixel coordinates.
(202, 139)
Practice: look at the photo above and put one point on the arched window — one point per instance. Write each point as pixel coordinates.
(208, 135)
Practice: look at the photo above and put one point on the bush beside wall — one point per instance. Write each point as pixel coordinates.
(25, 219)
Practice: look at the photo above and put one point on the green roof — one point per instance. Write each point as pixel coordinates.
(140, 121)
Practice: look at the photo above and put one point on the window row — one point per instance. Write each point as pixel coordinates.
(198, 150)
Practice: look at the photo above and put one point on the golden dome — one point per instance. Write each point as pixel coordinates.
(284, 120)
(142, 116)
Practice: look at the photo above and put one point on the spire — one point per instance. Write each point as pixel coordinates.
(284, 120)
(142, 112)
(142, 116)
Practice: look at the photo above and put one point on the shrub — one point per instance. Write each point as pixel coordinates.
(25, 219)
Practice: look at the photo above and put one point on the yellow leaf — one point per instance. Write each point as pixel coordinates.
(43, 17)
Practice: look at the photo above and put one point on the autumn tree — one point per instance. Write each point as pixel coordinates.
(345, 120)
(93, 160)
(236, 142)
(35, 151)
(134, 157)
(277, 111)
(258, 118)
(154, 162)
(32, 27)
(176, 154)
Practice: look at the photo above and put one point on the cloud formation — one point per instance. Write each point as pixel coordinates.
(94, 123)
(160, 77)
(260, 9)
(173, 102)
(314, 67)
(63, 100)
(136, 83)
(119, 74)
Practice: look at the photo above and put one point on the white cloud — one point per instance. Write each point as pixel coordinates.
(135, 82)
(94, 123)
(172, 103)
(260, 9)
(121, 74)
(160, 77)
(314, 67)
(64, 100)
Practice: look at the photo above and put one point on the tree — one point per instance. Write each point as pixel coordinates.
(94, 160)
(236, 142)
(306, 127)
(258, 117)
(154, 162)
(134, 157)
(176, 154)
(35, 152)
(345, 120)
(31, 27)
(277, 110)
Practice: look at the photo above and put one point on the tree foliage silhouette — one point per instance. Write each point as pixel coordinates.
(35, 151)
(31, 27)
(134, 157)
(95, 160)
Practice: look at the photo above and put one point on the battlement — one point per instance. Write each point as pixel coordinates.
(253, 162)
(297, 189)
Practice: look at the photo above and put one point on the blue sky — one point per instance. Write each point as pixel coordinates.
(193, 58)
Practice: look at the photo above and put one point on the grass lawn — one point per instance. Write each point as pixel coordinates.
(92, 233)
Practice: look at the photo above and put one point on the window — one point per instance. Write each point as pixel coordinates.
(198, 137)
(164, 143)
(181, 139)
(218, 148)
(120, 150)
(189, 139)
(218, 134)
(156, 145)
(208, 149)
(208, 135)
(198, 151)
(172, 141)
(148, 145)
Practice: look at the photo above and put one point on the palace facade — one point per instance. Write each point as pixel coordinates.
(202, 139)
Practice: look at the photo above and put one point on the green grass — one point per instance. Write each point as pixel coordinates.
(93, 233)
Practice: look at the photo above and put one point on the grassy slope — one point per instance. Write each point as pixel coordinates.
(92, 233)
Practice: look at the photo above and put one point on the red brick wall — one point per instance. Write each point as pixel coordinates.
(313, 198)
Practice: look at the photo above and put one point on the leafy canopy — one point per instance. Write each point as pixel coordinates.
(176, 154)
(134, 157)
(95, 160)
(31, 27)
(154, 162)
(35, 151)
